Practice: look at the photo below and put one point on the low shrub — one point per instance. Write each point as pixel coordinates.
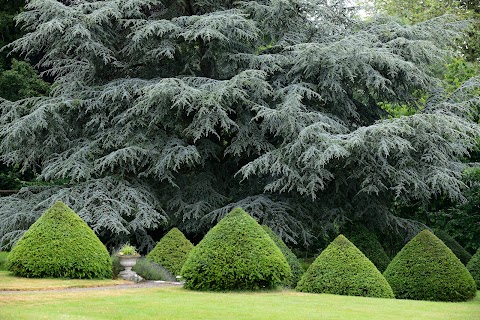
(367, 242)
(171, 251)
(473, 266)
(292, 259)
(343, 269)
(236, 254)
(426, 269)
(60, 245)
(150, 270)
(456, 247)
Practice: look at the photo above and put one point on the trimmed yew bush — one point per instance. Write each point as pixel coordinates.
(60, 245)
(473, 266)
(292, 259)
(171, 251)
(367, 242)
(343, 269)
(456, 247)
(236, 254)
(426, 269)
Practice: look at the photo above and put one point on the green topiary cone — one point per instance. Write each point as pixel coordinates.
(473, 266)
(366, 241)
(60, 245)
(236, 254)
(343, 269)
(292, 259)
(426, 269)
(171, 251)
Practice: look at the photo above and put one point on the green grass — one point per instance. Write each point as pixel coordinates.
(3, 259)
(178, 303)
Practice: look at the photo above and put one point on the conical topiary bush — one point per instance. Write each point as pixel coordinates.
(457, 249)
(426, 269)
(171, 251)
(473, 266)
(292, 259)
(366, 241)
(61, 245)
(343, 269)
(236, 254)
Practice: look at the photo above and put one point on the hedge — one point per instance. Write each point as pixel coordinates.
(426, 269)
(60, 245)
(473, 266)
(343, 269)
(236, 254)
(456, 247)
(292, 259)
(367, 242)
(171, 251)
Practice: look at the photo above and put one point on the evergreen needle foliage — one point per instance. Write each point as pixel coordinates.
(236, 254)
(426, 269)
(171, 251)
(343, 269)
(60, 245)
(183, 110)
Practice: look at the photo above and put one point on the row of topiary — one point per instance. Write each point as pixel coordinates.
(238, 254)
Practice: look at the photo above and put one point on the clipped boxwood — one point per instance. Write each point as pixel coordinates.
(343, 269)
(426, 269)
(60, 245)
(456, 247)
(236, 254)
(292, 259)
(171, 251)
(367, 242)
(474, 267)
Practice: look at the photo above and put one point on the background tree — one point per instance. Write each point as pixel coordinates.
(18, 80)
(178, 111)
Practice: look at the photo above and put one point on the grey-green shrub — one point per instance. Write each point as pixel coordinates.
(60, 245)
(367, 242)
(292, 259)
(473, 266)
(426, 269)
(150, 270)
(343, 269)
(171, 251)
(456, 247)
(236, 254)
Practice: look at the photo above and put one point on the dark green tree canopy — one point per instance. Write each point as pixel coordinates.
(426, 269)
(60, 245)
(183, 110)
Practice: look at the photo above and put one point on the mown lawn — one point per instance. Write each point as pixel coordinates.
(178, 303)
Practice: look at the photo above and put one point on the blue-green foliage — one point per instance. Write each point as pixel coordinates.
(60, 245)
(343, 269)
(236, 254)
(426, 269)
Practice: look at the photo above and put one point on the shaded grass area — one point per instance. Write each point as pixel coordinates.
(178, 303)
(10, 282)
